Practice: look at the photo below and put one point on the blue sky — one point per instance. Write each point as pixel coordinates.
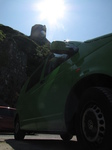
(77, 20)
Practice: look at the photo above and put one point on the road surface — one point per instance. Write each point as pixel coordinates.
(37, 142)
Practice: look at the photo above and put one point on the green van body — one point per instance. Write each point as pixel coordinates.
(49, 103)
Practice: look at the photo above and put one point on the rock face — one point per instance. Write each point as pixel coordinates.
(20, 55)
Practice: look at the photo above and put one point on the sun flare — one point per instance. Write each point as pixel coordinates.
(51, 11)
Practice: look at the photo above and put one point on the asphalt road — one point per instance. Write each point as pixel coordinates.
(37, 142)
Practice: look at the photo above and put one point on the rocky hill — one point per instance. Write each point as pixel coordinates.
(20, 55)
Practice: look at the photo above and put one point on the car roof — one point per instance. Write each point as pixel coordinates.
(6, 107)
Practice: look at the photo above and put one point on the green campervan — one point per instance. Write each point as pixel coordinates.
(70, 94)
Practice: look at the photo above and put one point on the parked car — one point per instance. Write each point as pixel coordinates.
(70, 94)
(7, 118)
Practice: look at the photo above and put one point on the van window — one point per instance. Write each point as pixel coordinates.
(51, 62)
(35, 78)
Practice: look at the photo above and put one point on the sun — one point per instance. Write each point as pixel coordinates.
(51, 10)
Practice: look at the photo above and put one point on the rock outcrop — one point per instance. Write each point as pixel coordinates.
(20, 55)
(38, 34)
